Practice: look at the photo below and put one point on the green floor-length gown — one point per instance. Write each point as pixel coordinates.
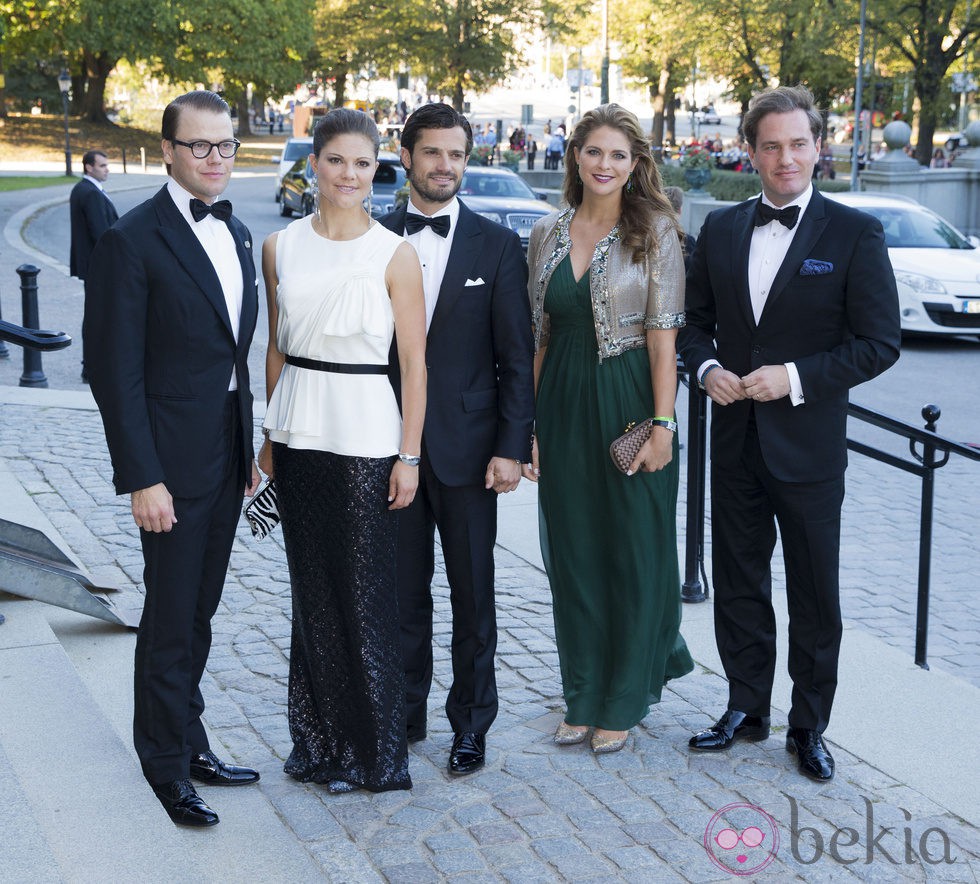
(609, 541)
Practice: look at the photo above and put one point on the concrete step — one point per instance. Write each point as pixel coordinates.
(82, 792)
(79, 809)
(75, 806)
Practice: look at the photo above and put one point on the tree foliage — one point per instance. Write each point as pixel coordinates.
(930, 35)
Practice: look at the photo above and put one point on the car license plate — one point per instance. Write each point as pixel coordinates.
(524, 231)
(971, 306)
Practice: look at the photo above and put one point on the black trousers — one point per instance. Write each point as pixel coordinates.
(467, 521)
(746, 505)
(184, 572)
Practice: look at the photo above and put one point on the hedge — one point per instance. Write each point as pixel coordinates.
(737, 186)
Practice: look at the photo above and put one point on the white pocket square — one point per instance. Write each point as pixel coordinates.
(477, 281)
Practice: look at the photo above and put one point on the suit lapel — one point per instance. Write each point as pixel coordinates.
(395, 221)
(189, 252)
(812, 224)
(741, 243)
(462, 255)
(250, 301)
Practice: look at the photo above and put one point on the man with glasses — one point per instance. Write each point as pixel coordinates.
(170, 308)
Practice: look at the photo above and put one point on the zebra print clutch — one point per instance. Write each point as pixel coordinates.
(262, 511)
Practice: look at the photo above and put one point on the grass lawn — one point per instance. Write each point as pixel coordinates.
(22, 182)
(24, 137)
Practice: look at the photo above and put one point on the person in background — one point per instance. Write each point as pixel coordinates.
(532, 151)
(676, 197)
(92, 213)
(607, 299)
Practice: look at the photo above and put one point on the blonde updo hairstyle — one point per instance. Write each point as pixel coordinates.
(645, 200)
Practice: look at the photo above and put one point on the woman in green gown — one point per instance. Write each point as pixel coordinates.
(607, 293)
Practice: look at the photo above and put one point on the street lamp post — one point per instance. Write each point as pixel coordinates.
(64, 84)
(604, 86)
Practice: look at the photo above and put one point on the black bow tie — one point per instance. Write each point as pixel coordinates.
(414, 223)
(765, 213)
(221, 209)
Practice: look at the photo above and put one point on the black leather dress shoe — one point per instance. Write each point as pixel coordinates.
(208, 768)
(184, 805)
(468, 754)
(816, 762)
(731, 727)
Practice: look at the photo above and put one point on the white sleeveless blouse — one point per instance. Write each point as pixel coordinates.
(334, 306)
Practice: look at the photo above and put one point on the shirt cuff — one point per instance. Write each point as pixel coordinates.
(704, 367)
(795, 387)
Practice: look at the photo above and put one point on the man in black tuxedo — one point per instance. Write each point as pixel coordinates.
(478, 422)
(92, 214)
(170, 308)
(791, 301)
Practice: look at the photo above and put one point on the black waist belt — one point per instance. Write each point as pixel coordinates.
(338, 367)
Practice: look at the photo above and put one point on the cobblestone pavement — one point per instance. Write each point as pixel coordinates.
(539, 813)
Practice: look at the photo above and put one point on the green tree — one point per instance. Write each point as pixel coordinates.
(930, 35)
(468, 44)
(234, 45)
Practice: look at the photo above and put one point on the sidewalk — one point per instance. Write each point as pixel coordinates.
(75, 808)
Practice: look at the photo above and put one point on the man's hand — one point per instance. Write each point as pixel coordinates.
(724, 387)
(256, 479)
(503, 474)
(153, 508)
(766, 384)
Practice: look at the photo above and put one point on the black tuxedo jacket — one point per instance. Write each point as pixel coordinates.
(159, 350)
(832, 310)
(92, 214)
(479, 353)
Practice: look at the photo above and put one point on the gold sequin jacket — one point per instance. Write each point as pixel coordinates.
(627, 298)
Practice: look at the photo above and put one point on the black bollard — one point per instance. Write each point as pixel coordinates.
(692, 589)
(33, 375)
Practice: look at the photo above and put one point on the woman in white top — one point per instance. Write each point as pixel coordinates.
(339, 285)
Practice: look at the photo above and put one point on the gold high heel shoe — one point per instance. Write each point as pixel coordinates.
(603, 745)
(568, 735)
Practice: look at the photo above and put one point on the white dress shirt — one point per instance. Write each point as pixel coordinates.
(433, 251)
(219, 245)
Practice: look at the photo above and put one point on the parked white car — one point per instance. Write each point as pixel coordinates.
(937, 268)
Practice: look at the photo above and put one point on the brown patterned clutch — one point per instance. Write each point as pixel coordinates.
(624, 449)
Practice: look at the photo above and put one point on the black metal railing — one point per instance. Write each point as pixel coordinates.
(934, 454)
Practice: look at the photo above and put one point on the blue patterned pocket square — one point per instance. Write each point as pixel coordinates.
(812, 267)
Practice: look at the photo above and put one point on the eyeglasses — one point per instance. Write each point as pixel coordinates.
(202, 149)
(751, 837)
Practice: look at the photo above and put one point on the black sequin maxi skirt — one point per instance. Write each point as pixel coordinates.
(346, 678)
